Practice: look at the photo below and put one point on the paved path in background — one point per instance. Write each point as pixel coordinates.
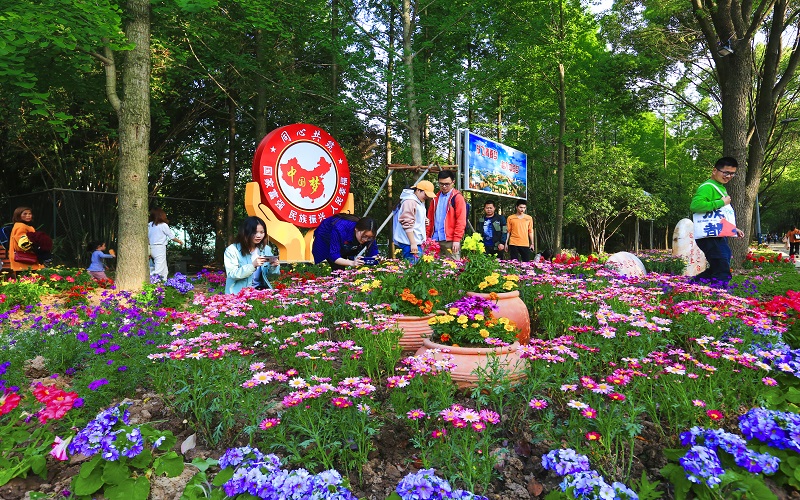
(781, 249)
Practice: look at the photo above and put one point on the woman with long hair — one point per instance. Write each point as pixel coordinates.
(22, 218)
(250, 257)
(159, 234)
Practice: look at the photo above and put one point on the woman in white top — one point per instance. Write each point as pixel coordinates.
(159, 234)
(248, 256)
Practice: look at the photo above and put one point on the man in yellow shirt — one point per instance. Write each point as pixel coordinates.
(520, 233)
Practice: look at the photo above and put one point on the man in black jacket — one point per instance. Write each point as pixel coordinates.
(493, 230)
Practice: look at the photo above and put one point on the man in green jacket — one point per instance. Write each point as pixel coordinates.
(711, 196)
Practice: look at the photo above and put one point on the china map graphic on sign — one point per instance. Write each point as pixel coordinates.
(309, 182)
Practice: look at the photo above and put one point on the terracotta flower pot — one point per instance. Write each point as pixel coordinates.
(467, 359)
(512, 307)
(414, 328)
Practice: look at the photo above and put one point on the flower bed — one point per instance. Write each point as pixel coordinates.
(617, 368)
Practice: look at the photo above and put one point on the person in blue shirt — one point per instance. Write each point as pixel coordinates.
(340, 239)
(97, 268)
(493, 230)
(248, 256)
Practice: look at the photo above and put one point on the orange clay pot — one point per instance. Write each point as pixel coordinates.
(414, 329)
(467, 359)
(512, 307)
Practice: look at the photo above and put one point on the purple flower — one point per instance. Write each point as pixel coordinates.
(96, 384)
(82, 337)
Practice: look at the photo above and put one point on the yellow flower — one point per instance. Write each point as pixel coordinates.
(427, 258)
(475, 325)
(502, 321)
(479, 317)
(463, 319)
(434, 320)
(509, 328)
(509, 285)
(453, 310)
(484, 332)
(511, 277)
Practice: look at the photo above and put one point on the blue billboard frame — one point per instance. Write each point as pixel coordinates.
(492, 168)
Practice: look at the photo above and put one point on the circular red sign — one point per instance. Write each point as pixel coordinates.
(303, 174)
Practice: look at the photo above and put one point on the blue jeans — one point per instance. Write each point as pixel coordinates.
(406, 252)
(718, 255)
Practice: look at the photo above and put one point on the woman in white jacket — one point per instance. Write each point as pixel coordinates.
(409, 219)
(248, 255)
(159, 234)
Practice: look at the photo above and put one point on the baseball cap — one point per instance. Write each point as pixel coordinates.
(426, 186)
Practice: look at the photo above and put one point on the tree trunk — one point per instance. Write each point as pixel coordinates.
(134, 147)
(261, 92)
(231, 168)
(562, 132)
(411, 95)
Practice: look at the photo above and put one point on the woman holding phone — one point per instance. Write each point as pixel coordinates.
(248, 255)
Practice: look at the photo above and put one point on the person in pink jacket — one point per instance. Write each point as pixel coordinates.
(447, 216)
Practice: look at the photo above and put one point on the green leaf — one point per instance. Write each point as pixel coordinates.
(393, 496)
(115, 473)
(39, 466)
(195, 489)
(89, 484)
(171, 464)
(130, 489)
(142, 460)
(204, 464)
(88, 467)
(223, 476)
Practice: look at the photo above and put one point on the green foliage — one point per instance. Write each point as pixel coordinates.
(193, 385)
(19, 293)
(662, 263)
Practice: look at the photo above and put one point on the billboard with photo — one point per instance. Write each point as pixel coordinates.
(494, 168)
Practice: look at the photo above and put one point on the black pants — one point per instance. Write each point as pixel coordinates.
(520, 253)
(718, 255)
(500, 254)
(794, 248)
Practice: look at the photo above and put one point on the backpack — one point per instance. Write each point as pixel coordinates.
(5, 234)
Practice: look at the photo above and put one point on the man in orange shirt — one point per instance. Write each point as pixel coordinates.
(793, 238)
(520, 233)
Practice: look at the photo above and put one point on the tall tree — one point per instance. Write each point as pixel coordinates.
(749, 80)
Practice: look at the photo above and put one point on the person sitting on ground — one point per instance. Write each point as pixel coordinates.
(248, 256)
(22, 218)
(98, 268)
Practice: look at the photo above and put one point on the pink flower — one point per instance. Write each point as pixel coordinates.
(769, 381)
(715, 414)
(59, 451)
(438, 433)
(699, 403)
(269, 423)
(616, 396)
(538, 404)
(415, 414)
(589, 413)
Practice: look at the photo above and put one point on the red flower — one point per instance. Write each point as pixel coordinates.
(593, 436)
(715, 414)
(8, 402)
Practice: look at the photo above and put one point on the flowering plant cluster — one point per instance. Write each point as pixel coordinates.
(117, 447)
(702, 463)
(180, 283)
(584, 482)
(778, 429)
(410, 289)
(425, 484)
(471, 321)
(23, 442)
(481, 272)
(247, 471)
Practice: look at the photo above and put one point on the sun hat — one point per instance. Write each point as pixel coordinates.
(426, 186)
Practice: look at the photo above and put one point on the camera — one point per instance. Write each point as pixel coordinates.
(370, 261)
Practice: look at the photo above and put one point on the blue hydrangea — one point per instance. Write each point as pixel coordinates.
(261, 476)
(776, 428)
(565, 461)
(180, 283)
(109, 434)
(425, 485)
(702, 463)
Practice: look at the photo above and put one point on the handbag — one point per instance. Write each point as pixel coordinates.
(717, 223)
(25, 258)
